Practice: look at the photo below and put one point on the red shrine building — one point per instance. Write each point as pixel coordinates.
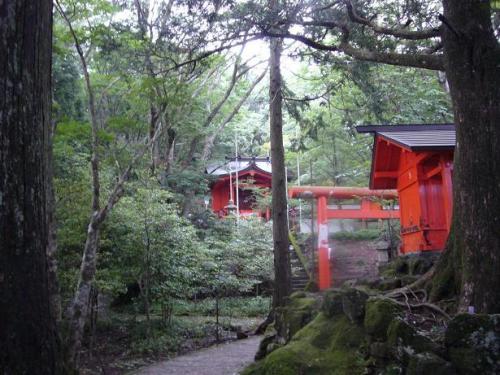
(417, 160)
(235, 184)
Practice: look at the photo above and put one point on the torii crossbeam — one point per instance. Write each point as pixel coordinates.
(371, 208)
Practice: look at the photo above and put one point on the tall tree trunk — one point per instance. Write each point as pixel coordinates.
(472, 57)
(279, 193)
(28, 337)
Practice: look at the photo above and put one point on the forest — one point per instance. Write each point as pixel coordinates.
(122, 120)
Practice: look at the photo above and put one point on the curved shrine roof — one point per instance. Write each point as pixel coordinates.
(240, 165)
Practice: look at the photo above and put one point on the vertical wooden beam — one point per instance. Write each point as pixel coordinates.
(324, 275)
(447, 190)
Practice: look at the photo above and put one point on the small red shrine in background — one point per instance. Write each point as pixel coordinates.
(417, 160)
(236, 182)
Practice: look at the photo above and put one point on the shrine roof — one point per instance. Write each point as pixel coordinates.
(415, 137)
(240, 165)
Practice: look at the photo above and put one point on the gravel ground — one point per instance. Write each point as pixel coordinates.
(224, 359)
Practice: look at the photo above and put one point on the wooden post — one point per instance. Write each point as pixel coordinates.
(324, 277)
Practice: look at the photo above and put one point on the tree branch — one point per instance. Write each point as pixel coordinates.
(424, 61)
(209, 141)
(398, 32)
(94, 161)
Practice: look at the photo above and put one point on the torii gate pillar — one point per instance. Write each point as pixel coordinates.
(324, 276)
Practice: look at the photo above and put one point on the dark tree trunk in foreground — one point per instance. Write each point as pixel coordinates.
(28, 336)
(472, 60)
(279, 193)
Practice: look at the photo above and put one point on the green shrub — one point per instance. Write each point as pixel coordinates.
(359, 235)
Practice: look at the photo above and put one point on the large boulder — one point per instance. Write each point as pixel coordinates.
(332, 303)
(429, 363)
(473, 343)
(353, 304)
(379, 313)
(405, 341)
(264, 344)
(419, 265)
(323, 347)
(300, 310)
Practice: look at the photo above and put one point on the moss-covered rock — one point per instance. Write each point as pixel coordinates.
(401, 265)
(405, 341)
(353, 304)
(299, 311)
(325, 346)
(395, 268)
(419, 265)
(389, 284)
(393, 369)
(298, 294)
(408, 279)
(379, 350)
(429, 363)
(311, 286)
(263, 345)
(473, 343)
(332, 303)
(380, 312)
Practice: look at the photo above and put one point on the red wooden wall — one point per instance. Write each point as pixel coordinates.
(423, 181)
(220, 190)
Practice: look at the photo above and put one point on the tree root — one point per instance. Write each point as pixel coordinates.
(262, 326)
(416, 285)
(427, 305)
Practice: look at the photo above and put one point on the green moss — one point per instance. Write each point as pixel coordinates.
(395, 268)
(393, 369)
(353, 304)
(401, 265)
(443, 283)
(324, 346)
(428, 363)
(473, 343)
(405, 339)
(379, 314)
(389, 284)
(332, 302)
(463, 326)
(298, 312)
(311, 286)
(420, 265)
(263, 346)
(253, 369)
(277, 363)
(446, 281)
(297, 294)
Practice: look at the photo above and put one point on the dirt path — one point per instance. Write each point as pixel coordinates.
(225, 359)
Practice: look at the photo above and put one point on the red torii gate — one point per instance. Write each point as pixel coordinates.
(369, 209)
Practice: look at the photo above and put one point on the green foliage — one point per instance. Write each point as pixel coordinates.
(238, 258)
(359, 235)
(324, 346)
(323, 135)
(228, 306)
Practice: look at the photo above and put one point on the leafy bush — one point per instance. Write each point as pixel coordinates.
(229, 306)
(359, 235)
